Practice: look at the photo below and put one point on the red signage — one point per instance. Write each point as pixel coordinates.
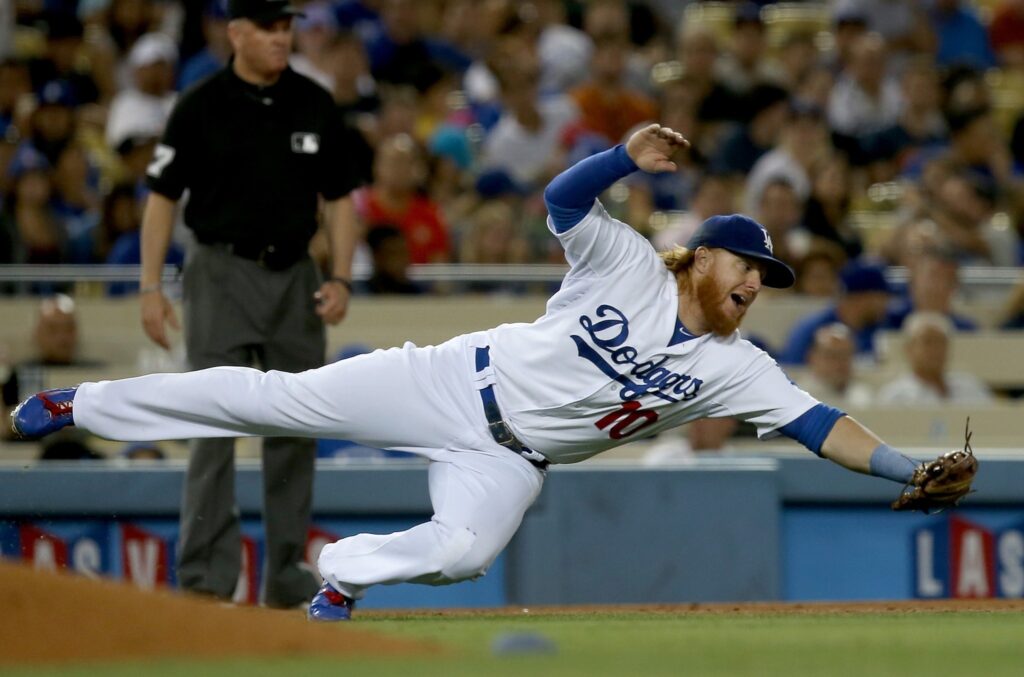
(143, 557)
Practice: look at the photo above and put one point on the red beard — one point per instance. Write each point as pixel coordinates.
(711, 298)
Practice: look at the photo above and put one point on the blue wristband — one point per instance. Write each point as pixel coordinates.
(892, 465)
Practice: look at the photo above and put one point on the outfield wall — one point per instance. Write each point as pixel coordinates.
(723, 529)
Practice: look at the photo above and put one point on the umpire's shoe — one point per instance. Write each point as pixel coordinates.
(330, 605)
(44, 413)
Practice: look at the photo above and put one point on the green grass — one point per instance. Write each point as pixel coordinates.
(906, 644)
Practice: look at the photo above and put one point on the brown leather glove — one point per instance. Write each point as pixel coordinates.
(941, 483)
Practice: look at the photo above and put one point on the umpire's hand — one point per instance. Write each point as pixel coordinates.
(157, 313)
(652, 148)
(332, 301)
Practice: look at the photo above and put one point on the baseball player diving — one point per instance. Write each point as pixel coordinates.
(635, 342)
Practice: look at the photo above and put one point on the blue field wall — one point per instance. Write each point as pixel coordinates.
(642, 535)
(845, 553)
(841, 542)
(142, 552)
(719, 530)
(872, 553)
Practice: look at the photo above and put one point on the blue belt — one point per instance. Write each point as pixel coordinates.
(500, 431)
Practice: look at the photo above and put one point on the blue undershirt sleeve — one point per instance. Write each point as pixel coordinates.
(570, 195)
(813, 426)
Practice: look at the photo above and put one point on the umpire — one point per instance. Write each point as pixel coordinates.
(256, 145)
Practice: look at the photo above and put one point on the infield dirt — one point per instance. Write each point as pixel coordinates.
(48, 618)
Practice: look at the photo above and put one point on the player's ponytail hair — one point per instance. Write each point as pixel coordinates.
(678, 259)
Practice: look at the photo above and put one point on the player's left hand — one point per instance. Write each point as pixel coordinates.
(652, 147)
(941, 483)
(332, 301)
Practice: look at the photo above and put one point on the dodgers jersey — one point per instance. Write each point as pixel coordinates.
(600, 369)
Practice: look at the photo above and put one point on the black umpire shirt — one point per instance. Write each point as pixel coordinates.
(254, 159)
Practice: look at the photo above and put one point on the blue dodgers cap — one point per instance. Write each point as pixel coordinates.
(744, 236)
(858, 277)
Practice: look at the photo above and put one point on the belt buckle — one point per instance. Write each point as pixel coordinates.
(502, 434)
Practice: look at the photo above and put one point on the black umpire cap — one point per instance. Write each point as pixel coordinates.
(261, 11)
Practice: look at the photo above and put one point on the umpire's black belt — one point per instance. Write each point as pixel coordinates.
(269, 256)
(500, 431)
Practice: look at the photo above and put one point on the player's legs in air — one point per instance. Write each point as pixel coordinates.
(417, 399)
(479, 499)
(403, 397)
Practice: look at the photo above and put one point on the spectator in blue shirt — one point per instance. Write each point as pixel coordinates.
(214, 55)
(933, 284)
(961, 36)
(862, 303)
(120, 241)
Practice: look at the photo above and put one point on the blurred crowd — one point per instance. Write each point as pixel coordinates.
(884, 131)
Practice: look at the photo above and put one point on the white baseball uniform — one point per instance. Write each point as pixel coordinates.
(605, 365)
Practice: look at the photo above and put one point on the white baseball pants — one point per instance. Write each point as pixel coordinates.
(421, 400)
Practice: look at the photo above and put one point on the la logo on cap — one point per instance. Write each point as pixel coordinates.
(767, 240)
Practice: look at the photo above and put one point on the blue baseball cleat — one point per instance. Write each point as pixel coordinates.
(329, 605)
(44, 413)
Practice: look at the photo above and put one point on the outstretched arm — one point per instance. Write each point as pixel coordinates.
(935, 485)
(853, 446)
(571, 194)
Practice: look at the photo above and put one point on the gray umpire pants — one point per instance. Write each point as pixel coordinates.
(240, 314)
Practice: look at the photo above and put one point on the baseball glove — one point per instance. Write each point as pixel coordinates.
(941, 483)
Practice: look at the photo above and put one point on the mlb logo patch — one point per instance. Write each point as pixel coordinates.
(305, 142)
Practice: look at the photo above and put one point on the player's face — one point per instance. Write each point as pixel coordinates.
(729, 288)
